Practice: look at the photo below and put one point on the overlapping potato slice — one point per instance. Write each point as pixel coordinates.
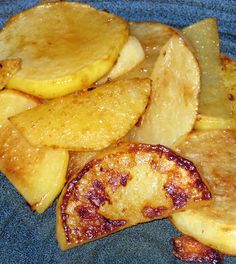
(38, 174)
(174, 100)
(152, 37)
(89, 121)
(124, 186)
(214, 110)
(64, 47)
(214, 154)
(7, 69)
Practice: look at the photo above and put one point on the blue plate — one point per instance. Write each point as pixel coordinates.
(27, 237)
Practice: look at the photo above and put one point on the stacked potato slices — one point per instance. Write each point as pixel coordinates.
(96, 98)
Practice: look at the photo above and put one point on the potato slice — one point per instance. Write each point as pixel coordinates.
(7, 69)
(213, 101)
(214, 154)
(130, 56)
(152, 37)
(124, 186)
(64, 47)
(37, 173)
(90, 121)
(173, 107)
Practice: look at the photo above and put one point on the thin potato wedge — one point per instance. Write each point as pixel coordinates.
(174, 100)
(64, 47)
(214, 154)
(124, 186)
(37, 173)
(89, 121)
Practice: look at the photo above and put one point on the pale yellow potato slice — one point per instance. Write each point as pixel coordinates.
(124, 186)
(152, 37)
(174, 100)
(7, 69)
(64, 47)
(130, 56)
(214, 154)
(214, 110)
(39, 174)
(89, 121)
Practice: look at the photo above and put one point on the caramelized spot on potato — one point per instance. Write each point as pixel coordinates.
(189, 249)
(153, 212)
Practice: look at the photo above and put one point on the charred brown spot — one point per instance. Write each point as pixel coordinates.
(139, 122)
(151, 212)
(1, 65)
(231, 97)
(178, 196)
(189, 249)
(117, 179)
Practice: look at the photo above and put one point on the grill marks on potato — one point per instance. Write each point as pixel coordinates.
(122, 187)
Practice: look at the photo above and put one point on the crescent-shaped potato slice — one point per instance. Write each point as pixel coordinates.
(174, 99)
(124, 186)
(64, 47)
(214, 154)
(39, 174)
(89, 121)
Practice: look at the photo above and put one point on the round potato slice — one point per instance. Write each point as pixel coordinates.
(64, 47)
(214, 154)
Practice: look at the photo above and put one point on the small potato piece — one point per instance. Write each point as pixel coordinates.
(37, 173)
(214, 154)
(124, 186)
(174, 99)
(7, 69)
(64, 47)
(89, 121)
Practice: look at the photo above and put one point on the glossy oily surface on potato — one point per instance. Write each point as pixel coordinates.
(124, 186)
(88, 121)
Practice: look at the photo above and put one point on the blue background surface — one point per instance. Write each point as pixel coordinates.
(27, 237)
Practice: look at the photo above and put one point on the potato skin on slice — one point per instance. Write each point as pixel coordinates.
(129, 184)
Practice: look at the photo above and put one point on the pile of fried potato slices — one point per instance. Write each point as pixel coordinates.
(127, 129)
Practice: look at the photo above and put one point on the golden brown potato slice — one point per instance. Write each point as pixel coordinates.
(64, 47)
(152, 37)
(7, 69)
(174, 100)
(214, 154)
(214, 110)
(37, 173)
(89, 121)
(124, 186)
(188, 249)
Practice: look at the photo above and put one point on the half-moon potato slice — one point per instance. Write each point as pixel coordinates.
(64, 47)
(88, 121)
(124, 186)
(214, 154)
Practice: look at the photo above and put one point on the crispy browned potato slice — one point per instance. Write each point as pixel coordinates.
(214, 154)
(174, 100)
(152, 37)
(89, 121)
(124, 186)
(189, 249)
(37, 173)
(7, 69)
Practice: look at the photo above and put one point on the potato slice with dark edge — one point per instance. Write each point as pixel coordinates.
(214, 154)
(39, 174)
(174, 99)
(89, 121)
(124, 186)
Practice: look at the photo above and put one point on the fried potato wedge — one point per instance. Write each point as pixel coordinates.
(89, 121)
(214, 154)
(152, 37)
(64, 47)
(188, 249)
(174, 99)
(124, 186)
(39, 174)
(130, 56)
(7, 69)
(214, 110)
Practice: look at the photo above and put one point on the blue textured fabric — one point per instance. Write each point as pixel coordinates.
(27, 237)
